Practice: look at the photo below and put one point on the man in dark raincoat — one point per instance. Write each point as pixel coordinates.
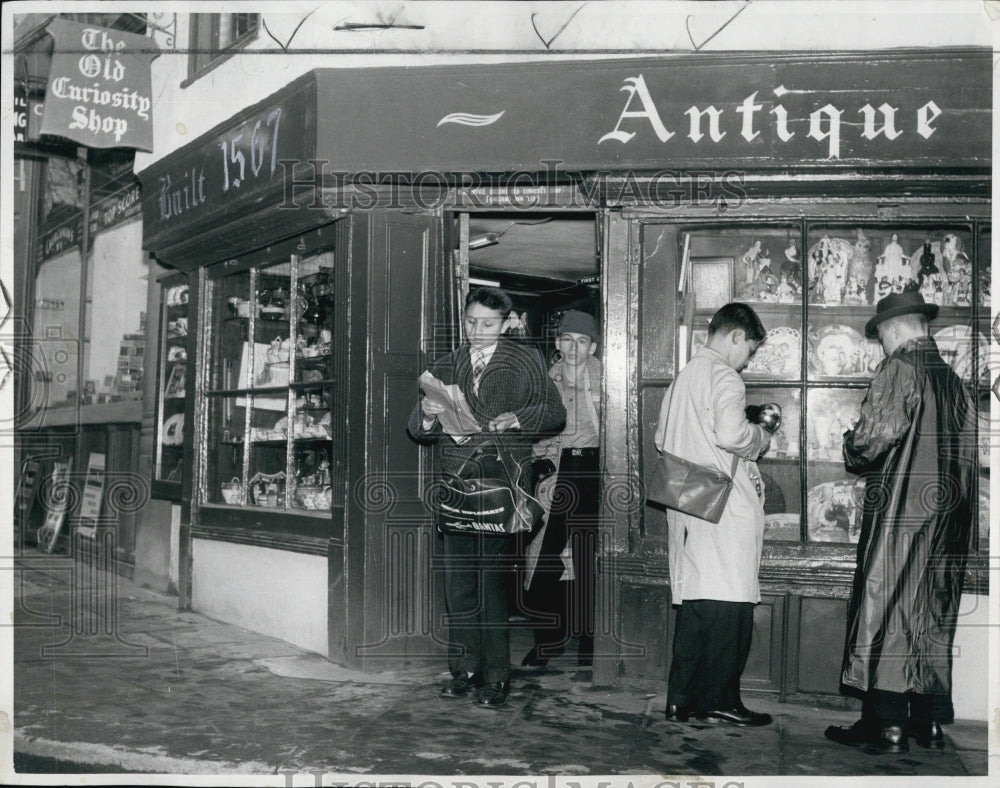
(916, 442)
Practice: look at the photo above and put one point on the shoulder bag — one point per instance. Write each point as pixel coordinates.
(688, 487)
(485, 496)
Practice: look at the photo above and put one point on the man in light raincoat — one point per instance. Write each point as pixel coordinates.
(915, 439)
(714, 567)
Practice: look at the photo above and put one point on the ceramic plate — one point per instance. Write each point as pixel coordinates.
(834, 511)
(778, 355)
(173, 430)
(955, 344)
(838, 350)
(783, 526)
(984, 515)
(831, 413)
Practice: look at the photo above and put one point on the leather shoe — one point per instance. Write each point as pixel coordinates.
(493, 694)
(675, 713)
(891, 738)
(461, 685)
(927, 734)
(857, 734)
(740, 715)
(535, 660)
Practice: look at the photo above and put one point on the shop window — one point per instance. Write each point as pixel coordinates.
(814, 286)
(270, 387)
(216, 36)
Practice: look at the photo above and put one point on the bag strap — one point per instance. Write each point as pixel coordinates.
(670, 399)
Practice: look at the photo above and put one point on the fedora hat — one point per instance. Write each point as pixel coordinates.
(909, 302)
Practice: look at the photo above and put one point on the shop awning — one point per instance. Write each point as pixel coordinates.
(894, 113)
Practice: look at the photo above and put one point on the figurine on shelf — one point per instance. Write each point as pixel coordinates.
(894, 265)
(929, 277)
(828, 262)
(748, 271)
(883, 288)
(958, 269)
(859, 271)
(792, 252)
(785, 292)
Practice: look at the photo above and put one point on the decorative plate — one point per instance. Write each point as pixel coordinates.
(955, 345)
(782, 526)
(778, 355)
(173, 430)
(834, 511)
(984, 515)
(838, 350)
(985, 436)
(831, 413)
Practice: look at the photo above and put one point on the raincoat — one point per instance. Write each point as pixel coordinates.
(703, 419)
(916, 442)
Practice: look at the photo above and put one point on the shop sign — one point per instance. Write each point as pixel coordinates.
(99, 91)
(104, 214)
(233, 167)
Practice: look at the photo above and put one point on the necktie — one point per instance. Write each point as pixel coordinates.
(478, 365)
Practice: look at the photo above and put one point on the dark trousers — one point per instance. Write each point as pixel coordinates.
(711, 645)
(476, 571)
(563, 609)
(881, 707)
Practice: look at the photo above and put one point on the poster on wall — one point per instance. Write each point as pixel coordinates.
(93, 494)
(55, 500)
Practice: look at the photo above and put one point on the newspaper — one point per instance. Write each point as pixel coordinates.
(456, 418)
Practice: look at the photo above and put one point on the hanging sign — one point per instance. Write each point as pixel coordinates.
(99, 92)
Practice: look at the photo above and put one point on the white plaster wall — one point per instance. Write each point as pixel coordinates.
(971, 668)
(274, 592)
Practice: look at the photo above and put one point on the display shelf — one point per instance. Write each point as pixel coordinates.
(274, 341)
(172, 376)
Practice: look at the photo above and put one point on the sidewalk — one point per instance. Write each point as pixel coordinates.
(173, 692)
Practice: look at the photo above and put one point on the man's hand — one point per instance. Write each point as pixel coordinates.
(431, 409)
(504, 422)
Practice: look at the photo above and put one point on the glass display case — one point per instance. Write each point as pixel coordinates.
(270, 385)
(814, 285)
(172, 387)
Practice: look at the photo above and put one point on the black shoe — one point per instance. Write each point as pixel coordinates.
(534, 660)
(891, 738)
(739, 716)
(856, 735)
(675, 713)
(927, 734)
(493, 694)
(461, 685)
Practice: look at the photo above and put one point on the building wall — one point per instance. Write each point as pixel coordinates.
(273, 592)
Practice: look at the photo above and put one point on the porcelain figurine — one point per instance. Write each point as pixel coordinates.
(929, 277)
(894, 265)
(748, 271)
(958, 268)
(859, 272)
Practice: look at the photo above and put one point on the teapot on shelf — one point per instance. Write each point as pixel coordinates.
(273, 304)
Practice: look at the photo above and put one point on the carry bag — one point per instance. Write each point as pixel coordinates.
(687, 487)
(485, 496)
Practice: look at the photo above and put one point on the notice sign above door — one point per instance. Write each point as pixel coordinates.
(99, 92)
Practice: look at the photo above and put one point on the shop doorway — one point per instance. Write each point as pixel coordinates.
(549, 263)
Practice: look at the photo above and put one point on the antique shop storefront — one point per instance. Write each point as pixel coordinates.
(322, 240)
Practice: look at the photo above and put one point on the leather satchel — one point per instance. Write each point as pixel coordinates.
(485, 496)
(691, 488)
